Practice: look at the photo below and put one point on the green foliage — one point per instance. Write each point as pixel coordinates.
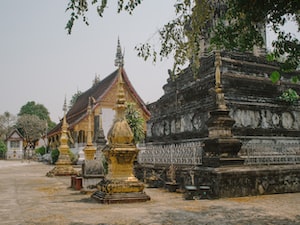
(40, 150)
(32, 108)
(295, 79)
(275, 76)
(3, 149)
(79, 8)
(135, 121)
(235, 25)
(289, 96)
(54, 155)
(74, 98)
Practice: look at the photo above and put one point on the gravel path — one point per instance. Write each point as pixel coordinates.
(29, 197)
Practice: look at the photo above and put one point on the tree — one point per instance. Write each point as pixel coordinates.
(7, 121)
(219, 20)
(74, 98)
(32, 108)
(32, 128)
(3, 149)
(135, 121)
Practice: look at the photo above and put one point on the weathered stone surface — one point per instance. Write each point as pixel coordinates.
(251, 97)
(92, 174)
(267, 127)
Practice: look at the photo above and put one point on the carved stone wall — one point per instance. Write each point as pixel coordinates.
(253, 100)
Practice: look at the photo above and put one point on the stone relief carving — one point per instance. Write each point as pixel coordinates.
(246, 118)
(265, 119)
(243, 118)
(287, 120)
(186, 122)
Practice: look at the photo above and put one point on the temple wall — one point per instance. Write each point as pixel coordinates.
(253, 100)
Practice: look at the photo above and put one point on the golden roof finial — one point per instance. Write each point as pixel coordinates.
(119, 61)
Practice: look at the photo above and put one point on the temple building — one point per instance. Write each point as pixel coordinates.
(103, 95)
(15, 145)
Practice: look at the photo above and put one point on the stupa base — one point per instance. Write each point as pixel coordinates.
(110, 198)
(62, 170)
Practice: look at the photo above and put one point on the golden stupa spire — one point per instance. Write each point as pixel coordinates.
(120, 132)
(63, 164)
(120, 103)
(64, 127)
(90, 149)
(89, 131)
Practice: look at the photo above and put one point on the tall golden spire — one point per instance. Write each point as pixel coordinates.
(64, 127)
(120, 133)
(63, 165)
(120, 184)
(90, 149)
(89, 131)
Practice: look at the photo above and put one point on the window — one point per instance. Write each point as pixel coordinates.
(15, 144)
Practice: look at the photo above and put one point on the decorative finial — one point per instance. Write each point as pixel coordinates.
(120, 104)
(119, 61)
(218, 64)
(65, 106)
(64, 123)
(89, 131)
(220, 100)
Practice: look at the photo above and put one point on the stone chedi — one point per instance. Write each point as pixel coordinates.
(220, 148)
(63, 165)
(120, 184)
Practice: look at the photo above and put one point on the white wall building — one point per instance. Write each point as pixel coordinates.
(15, 145)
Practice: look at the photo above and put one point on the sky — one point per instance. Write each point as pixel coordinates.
(40, 62)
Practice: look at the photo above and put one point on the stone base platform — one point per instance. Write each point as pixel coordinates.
(234, 181)
(130, 197)
(239, 181)
(62, 170)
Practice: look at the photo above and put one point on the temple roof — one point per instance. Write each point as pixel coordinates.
(12, 137)
(79, 110)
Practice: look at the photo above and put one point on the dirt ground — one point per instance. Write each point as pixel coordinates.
(29, 197)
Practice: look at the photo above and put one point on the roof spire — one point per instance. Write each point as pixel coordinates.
(119, 61)
(65, 105)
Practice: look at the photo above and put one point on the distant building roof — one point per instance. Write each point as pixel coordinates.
(79, 110)
(15, 135)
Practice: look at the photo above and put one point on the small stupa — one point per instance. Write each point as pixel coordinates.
(63, 165)
(92, 168)
(120, 185)
(220, 148)
(90, 149)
